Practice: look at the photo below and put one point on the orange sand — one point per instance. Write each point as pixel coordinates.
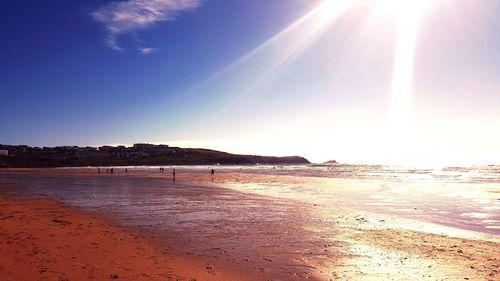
(44, 240)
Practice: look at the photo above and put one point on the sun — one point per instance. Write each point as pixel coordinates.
(403, 8)
(329, 10)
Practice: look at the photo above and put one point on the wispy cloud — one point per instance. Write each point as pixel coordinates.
(123, 17)
(147, 51)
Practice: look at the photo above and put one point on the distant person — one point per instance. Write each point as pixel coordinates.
(107, 171)
(98, 170)
(111, 170)
(212, 172)
(173, 173)
(126, 170)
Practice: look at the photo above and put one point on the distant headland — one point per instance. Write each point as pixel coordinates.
(24, 156)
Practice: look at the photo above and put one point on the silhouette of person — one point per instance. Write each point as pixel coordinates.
(212, 172)
(98, 170)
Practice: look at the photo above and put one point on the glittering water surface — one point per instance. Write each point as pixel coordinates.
(461, 197)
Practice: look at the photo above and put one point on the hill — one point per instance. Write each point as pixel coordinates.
(23, 156)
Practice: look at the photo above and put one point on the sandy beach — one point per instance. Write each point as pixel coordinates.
(44, 240)
(203, 228)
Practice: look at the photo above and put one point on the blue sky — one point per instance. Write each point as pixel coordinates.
(265, 77)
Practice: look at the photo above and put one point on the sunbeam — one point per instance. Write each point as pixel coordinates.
(408, 15)
(301, 33)
(291, 41)
(249, 75)
(400, 143)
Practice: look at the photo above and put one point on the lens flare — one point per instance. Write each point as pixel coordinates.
(408, 17)
(292, 40)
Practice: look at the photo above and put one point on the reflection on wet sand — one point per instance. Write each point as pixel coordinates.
(281, 227)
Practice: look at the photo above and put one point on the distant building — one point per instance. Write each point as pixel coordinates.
(4, 152)
(66, 147)
(105, 148)
(144, 146)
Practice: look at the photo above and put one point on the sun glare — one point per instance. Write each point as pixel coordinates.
(408, 14)
(406, 8)
(280, 51)
(400, 133)
(330, 10)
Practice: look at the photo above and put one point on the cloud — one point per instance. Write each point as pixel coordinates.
(123, 17)
(147, 51)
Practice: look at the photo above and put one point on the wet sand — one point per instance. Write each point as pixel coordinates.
(202, 231)
(42, 239)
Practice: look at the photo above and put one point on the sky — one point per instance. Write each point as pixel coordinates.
(359, 81)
